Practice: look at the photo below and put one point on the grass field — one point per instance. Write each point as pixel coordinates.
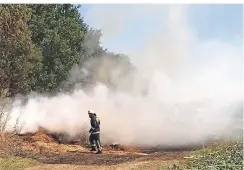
(222, 156)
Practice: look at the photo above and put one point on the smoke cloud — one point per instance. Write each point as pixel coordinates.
(192, 88)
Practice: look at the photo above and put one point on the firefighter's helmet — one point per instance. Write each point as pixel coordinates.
(91, 112)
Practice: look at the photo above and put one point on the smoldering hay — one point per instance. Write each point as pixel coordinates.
(193, 92)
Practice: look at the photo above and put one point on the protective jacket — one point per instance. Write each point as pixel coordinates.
(95, 125)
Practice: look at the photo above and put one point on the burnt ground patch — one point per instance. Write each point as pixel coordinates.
(84, 158)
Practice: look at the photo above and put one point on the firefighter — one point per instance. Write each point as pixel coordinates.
(95, 132)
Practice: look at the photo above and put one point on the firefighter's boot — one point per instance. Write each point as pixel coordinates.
(93, 148)
(99, 152)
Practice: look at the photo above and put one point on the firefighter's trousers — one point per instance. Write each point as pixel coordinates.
(95, 141)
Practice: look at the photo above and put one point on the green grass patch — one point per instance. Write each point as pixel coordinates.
(224, 156)
(16, 163)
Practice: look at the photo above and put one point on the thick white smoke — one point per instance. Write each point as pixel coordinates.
(191, 87)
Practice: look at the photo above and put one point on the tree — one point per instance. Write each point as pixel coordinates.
(41, 44)
(59, 31)
(81, 73)
(20, 59)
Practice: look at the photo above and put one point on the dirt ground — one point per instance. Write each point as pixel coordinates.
(108, 160)
(51, 155)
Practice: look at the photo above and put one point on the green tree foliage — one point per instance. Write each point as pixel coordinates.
(59, 31)
(41, 44)
(92, 46)
(91, 51)
(20, 59)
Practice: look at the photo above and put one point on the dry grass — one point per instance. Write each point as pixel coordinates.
(9, 146)
(135, 165)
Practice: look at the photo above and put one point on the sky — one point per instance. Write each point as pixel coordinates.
(208, 21)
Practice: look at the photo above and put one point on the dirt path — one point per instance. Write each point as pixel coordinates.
(108, 160)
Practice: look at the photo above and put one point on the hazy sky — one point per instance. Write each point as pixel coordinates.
(222, 22)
